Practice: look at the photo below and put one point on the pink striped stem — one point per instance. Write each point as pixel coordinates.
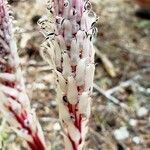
(14, 102)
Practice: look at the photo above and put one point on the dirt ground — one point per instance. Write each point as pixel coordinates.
(120, 111)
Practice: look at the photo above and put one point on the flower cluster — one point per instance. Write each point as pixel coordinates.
(14, 103)
(68, 48)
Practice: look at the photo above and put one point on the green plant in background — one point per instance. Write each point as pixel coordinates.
(144, 24)
(4, 136)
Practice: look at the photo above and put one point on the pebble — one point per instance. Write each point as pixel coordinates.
(121, 133)
(53, 103)
(141, 112)
(56, 126)
(136, 140)
(133, 122)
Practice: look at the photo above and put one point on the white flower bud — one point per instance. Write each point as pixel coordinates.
(89, 76)
(72, 92)
(13, 47)
(12, 120)
(48, 55)
(57, 51)
(83, 22)
(64, 113)
(92, 53)
(51, 49)
(9, 91)
(67, 31)
(80, 72)
(18, 75)
(62, 82)
(66, 8)
(88, 18)
(7, 76)
(24, 100)
(79, 7)
(86, 48)
(61, 42)
(74, 133)
(80, 38)
(3, 102)
(32, 122)
(84, 128)
(66, 66)
(16, 107)
(74, 52)
(85, 104)
(68, 145)
(61, 5)
(59, 96)
(75, 27)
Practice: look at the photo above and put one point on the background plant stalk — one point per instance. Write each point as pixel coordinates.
(14, 103)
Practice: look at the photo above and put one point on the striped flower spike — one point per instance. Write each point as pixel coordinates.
(14, 102)
(68, 48)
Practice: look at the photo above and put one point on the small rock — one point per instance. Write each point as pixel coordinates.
(133, 122)
(31, 70)
(136, 140)
(121, 133)
(141, 112)
(53, 103)
(56, 126)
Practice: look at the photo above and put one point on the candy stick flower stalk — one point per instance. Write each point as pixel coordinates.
(14, 102)
(68, 48)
